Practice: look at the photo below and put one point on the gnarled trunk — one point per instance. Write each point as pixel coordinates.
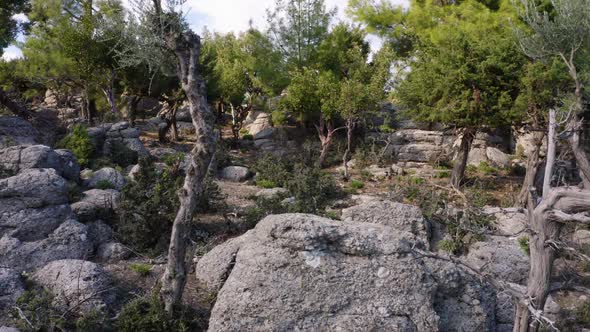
(460, 162)
(532, 167)
(187, 47)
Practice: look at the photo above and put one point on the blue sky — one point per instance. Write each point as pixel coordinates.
(230, 15)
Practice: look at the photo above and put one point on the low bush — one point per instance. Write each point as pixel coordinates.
(523, 243)
(356, 184)
(79, 142)
(148, 207)
(271, 169)
(104, 184)
(248, 137)
(141, 269)
(148, 314)
(312, 189)
(122, 155)
(266, 184)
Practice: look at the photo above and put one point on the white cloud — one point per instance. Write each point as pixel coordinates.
(11, 53)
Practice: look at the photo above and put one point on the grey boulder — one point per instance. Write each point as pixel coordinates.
(298, 272)
(235, 173)
(107, 175)
(97, 204)
(112, 252)
(402, 217)
(17, 131)
(77, 285)
(11, 287)
(18, 158)
(69, 240)
(500, 257)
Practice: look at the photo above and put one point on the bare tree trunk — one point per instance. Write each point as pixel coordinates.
(187, 47)
(575, 126)
(532, 167)
(460, 162)
(551, 151)
(325, 133)
(558, 206)
(109, 92)
(349, 128)
(13, 106)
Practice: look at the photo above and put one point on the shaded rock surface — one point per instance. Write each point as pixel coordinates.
(69, 240)
(96, 204)
(17, 131)
(106, 175)
(303, 272)
(18, 158)
(11, 287)
(78, 285)
(500, 257)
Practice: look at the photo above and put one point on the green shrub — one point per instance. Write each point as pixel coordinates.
(449, 246)
(74, 192)
(278, 117)
(312, 189)
(79, 143)
(356, 184)
(478, 196)
(149, 314)
(104, 184)
(523, 243)
(148, 208)
(173, 159)
(272, 169)
(332, 215)
(416, 180)
(486, 169)
(141, 269)
(37, 307)
(443, 174)
(93, 321)
(248, 137)
(264, 207)
(582, 314)
(266, 184)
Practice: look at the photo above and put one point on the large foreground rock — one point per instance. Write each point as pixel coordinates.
(32, 188)
(298, 272)
(403, 217)
(77, 285)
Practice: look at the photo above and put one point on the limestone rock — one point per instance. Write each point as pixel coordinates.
(307, 273)
(18, 158)
(78, 285)
(107, 175)
(11, 287)
(235, 173)
(266, 133)
(256, 122)
(17, 131)
(32, 188)
(69, 240)
(500, 257)
(97, 204)
(497, 158)
(112, 252)
(406, 218)
(33, 224)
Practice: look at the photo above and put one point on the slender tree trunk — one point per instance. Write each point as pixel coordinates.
(325, 133)
(349, 129)
(460, 162)
(551, 152)
(187, 47)
(109, 92)
(14, 107)
(532, 167)
(132, 106)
